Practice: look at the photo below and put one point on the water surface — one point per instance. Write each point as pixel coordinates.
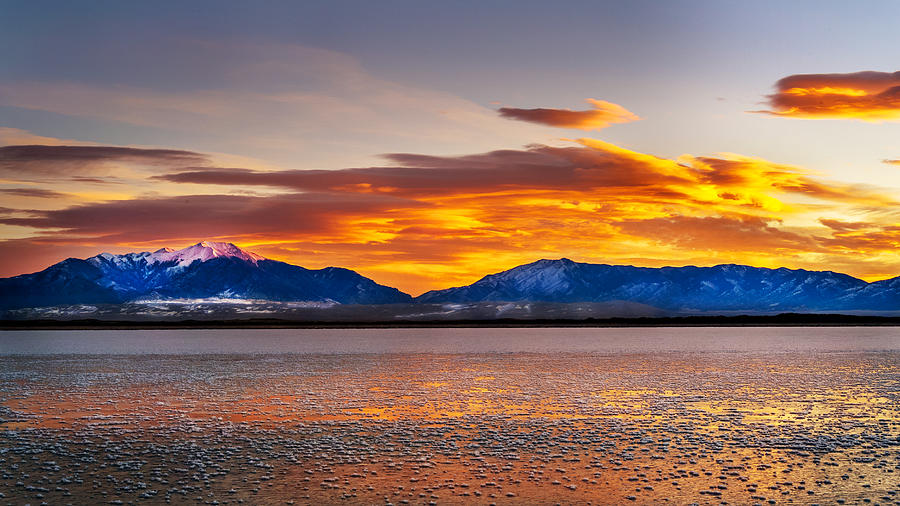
(418, 416)
(451, 340)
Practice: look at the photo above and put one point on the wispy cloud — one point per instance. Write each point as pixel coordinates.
(17, 136)
(866, 238)
(283, 103)
(601, 116)
(79, 160)
(32, 192)
(869, 96)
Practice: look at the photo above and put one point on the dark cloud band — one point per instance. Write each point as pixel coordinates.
(78, 160)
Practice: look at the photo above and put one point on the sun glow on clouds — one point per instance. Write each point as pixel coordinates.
(601, 116)
(423, 222)
(868, 96)
(168, 134)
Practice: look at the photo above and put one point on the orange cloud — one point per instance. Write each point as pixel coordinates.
(720, 233)
(869, 96)
(595, 168)
(601, 116)
(892, 162)
(176, 218)
(422, 222)
(861, 237)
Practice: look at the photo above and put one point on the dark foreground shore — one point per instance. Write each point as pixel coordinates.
(784, 319)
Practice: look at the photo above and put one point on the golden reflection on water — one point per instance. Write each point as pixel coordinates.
(515, 427)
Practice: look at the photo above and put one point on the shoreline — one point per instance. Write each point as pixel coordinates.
(780, 320)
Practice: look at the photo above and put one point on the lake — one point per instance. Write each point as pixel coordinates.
(416, 416)
(451, 340)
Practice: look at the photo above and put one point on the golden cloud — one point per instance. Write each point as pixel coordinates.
(601, 116)
(868, 96)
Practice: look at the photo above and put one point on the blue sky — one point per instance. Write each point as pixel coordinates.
(702, 63)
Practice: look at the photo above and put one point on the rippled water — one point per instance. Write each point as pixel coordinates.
(603, 416)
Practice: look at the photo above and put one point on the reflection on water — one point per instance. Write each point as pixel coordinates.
(425, 427)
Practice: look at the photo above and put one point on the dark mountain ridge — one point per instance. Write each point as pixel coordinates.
(222, 271)
(726, 287)
(205, 270)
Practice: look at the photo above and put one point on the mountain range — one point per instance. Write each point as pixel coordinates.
(223, 271)
(726, 287)
(204, 270)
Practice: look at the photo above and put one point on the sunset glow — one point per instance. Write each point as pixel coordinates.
(278, 145)
(868, 96)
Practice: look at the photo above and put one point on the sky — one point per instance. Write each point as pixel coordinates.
(427, 144)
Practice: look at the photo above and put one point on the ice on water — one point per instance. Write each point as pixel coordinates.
(434, 427)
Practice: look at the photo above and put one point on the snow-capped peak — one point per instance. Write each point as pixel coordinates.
(203, 251)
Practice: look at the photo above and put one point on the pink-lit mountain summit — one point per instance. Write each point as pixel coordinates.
(204, 270)
(204, 251)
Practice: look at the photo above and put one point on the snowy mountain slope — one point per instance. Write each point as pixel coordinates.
(204, 270)
(67, 282)
(878, 296)
(719, 288)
